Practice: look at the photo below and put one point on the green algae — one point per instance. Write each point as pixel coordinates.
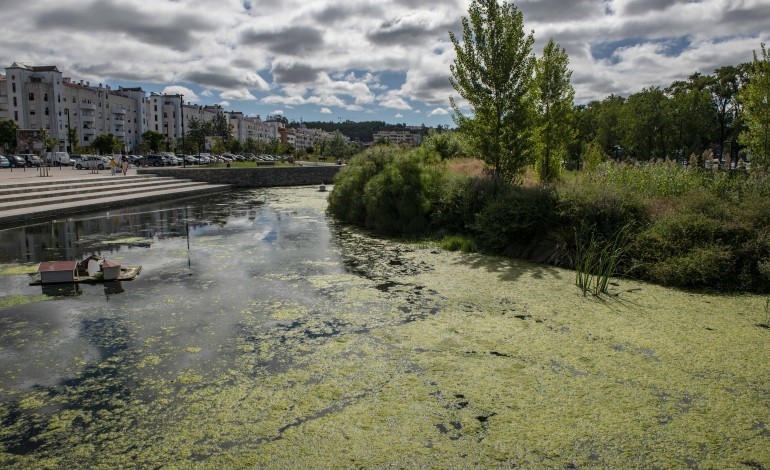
(8, 301)
(16, 270)
(409, 357)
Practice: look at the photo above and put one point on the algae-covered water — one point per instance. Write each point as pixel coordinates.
(259, 334)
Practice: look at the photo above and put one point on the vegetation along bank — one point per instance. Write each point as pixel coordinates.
(670, 184)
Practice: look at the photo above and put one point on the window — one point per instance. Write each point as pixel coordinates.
(58, 99)
(15, 115)
(46, 111)
(14, 101)
(156, 108)
(45, 96)
(85, 138)
(32, 96)
(31, 112)
(13, 87)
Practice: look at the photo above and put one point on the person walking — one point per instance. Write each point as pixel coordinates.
(124, 164)
(113, 165)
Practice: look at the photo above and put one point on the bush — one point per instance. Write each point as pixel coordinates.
(388, 190)
(514, 221)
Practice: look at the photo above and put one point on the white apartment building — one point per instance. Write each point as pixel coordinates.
(40, 97)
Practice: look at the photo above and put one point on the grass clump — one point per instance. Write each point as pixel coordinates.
(598, 261)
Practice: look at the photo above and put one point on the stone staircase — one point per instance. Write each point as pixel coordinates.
(30, 199)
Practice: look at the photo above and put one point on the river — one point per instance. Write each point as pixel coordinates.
(260, 333)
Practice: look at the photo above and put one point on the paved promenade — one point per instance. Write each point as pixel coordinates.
(17, 175)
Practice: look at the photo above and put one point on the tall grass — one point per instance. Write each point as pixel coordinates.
(597, 261)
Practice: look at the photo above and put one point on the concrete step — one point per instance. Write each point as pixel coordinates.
(43, 182)
(111, 191)
(31, 200)
(78, 187)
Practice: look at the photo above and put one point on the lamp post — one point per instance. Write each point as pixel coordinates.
(181, 113)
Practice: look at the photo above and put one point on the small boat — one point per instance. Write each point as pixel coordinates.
(92, 269)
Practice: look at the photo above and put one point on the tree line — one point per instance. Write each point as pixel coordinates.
(522, 112)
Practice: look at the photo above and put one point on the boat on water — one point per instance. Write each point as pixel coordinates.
(92, 269)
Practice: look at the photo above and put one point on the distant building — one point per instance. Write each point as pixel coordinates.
(399, 137)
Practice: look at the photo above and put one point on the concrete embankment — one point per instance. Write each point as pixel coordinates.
(251, 177)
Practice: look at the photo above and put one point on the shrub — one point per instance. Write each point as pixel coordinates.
(515, 219)
(458, 243)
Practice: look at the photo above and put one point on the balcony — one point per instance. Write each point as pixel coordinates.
(120, 111)
(119, 122)
(119, 134)
(88, 131)
(85, 118)
(88, 106)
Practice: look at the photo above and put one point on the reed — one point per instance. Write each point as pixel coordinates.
(598, 260)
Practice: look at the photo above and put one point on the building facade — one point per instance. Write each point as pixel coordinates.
(41, 97)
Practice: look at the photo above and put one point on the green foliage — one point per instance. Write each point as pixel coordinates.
(458, 243)
(106, 144)
(448, 144)
(334, 147)
(592, 156)
(755, 98)
(515, 219)
(598, 260)
(553, 100)
(154, 140)
(8, 130)
(492, 71)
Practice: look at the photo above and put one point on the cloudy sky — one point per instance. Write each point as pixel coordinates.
(362, 59)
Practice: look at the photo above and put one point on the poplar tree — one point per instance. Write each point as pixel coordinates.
(554, 97)
(755, 98)
(492, 72)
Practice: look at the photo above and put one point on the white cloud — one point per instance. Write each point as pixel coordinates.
(188, 94)
(277, 112)
(224, 104)
(399, 115)
(362, 55)
(326, 111)
(238, 95)
(438, 112)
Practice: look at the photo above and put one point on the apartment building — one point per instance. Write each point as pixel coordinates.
(399, 137)
(41, 97)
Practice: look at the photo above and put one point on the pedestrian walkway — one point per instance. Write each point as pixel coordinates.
(34, 194)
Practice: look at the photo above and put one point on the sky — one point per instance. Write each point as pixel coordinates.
(361, 60)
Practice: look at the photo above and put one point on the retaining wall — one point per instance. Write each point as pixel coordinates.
(251, 177)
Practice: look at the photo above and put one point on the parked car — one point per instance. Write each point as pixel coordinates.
(203, 159)
(153, 160)
(89, 162)
(191, 160)
(4, 163)
(16, 161)
(134, 159)
(31, 159)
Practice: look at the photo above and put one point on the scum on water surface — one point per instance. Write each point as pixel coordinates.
(281, 340)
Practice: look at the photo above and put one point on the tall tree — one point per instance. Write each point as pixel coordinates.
(755, 98)
(554, 97)
(106, 143)
(609, 130)
(724, 87)
(154, 140)
(645, 124)
(493, 73)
